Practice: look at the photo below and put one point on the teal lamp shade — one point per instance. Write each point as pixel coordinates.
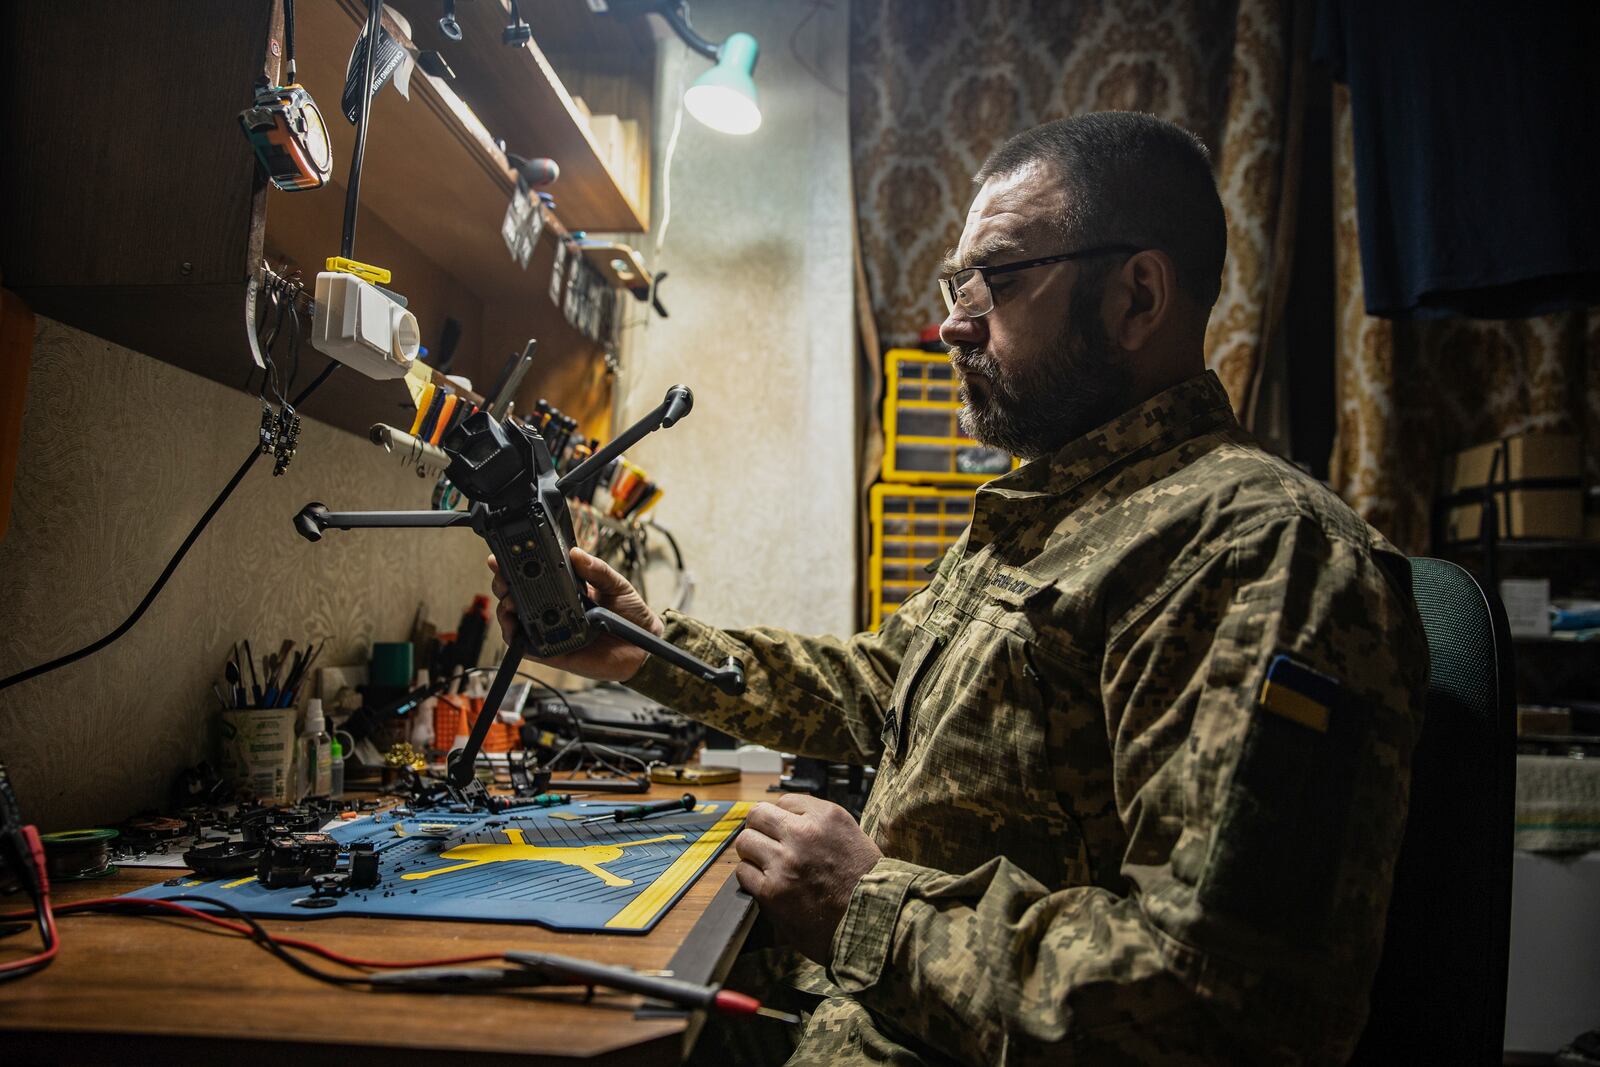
(724, 97)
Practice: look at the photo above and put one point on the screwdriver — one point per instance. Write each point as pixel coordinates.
(550, 800)
(644, 811)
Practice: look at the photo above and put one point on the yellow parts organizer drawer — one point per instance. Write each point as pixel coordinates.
(912, 526)
(922, 442)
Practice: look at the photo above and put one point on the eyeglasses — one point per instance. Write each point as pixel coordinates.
(968, 289)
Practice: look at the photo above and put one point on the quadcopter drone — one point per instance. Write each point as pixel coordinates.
(520, 508)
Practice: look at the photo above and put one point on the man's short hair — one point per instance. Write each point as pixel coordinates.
(1132, 179)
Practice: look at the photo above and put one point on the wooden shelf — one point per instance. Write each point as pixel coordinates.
(143, 225)
(520, 98)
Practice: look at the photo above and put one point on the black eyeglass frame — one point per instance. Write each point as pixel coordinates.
(948, 287)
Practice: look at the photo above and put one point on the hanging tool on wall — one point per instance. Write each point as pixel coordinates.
(448, 24)
(285, 126)
(266, 322)
(517, 32)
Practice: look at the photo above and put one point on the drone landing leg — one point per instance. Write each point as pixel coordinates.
(461, 761)
(729, 677)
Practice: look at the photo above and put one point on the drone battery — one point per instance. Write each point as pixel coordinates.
(542, 586)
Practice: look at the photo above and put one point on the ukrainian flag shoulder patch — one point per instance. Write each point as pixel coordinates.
(1298, 693)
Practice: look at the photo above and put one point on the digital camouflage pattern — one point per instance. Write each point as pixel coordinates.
(1098, 847)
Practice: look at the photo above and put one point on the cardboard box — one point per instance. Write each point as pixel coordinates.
(1527, 604)
(1537, 484)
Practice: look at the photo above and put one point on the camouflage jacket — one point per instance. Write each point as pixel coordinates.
(1143, 750)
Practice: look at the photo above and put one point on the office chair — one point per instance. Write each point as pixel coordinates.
(1440, 992)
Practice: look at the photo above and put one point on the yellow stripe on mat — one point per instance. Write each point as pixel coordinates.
(1296, 707)
(240, 882)
(644, 908)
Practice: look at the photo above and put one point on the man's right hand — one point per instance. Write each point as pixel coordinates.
(606, 658)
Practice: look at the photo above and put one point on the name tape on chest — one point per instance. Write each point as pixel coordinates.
(1298, 693)
(1013, 583)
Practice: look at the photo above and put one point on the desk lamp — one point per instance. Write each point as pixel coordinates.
(724, 97)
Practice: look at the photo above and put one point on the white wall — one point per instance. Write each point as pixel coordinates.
(760, 478)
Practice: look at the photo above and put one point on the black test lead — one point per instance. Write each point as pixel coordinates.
(644, 811)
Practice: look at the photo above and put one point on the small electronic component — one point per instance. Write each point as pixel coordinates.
(363, 865)
(297, 858)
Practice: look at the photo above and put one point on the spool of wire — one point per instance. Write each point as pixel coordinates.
(75, 854)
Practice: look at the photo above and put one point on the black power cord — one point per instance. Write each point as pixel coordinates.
(352, 195)
(347, 246)
(260, 936)
(172, 564)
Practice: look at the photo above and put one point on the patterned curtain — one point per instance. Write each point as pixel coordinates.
(1412, 392)
(935, 85)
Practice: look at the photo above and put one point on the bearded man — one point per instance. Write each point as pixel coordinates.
(1143, 742)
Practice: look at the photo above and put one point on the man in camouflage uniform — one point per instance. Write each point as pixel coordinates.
(1143, 743)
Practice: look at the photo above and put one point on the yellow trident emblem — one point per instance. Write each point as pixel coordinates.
(587, 857)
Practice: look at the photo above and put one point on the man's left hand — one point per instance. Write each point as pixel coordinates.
(801, 859)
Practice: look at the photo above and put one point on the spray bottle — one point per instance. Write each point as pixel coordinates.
(318, 750)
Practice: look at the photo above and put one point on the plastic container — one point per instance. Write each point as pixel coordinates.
(912, 528)
(318, 748)
(922, 442)
(336, 769)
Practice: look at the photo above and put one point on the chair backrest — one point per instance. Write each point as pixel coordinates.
(1440, 992)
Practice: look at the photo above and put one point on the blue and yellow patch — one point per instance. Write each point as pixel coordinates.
(1298, 693)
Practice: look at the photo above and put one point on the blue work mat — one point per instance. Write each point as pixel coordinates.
(539, 865)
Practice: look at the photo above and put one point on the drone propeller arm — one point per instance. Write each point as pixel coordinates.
(729, 677)
(674, 406)
(315, 518)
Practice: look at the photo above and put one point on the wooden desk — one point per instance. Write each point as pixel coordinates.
(131, 989)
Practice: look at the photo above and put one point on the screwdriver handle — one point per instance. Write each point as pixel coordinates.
(660, 807)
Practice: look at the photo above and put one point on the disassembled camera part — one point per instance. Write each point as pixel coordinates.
(223, 859)
(294, 859)
(363, 327)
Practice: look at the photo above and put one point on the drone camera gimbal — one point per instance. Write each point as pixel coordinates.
(520, 508)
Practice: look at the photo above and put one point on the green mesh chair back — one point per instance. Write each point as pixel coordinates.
(1440, 992)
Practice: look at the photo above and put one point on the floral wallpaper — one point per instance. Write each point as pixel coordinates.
(937, 84)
